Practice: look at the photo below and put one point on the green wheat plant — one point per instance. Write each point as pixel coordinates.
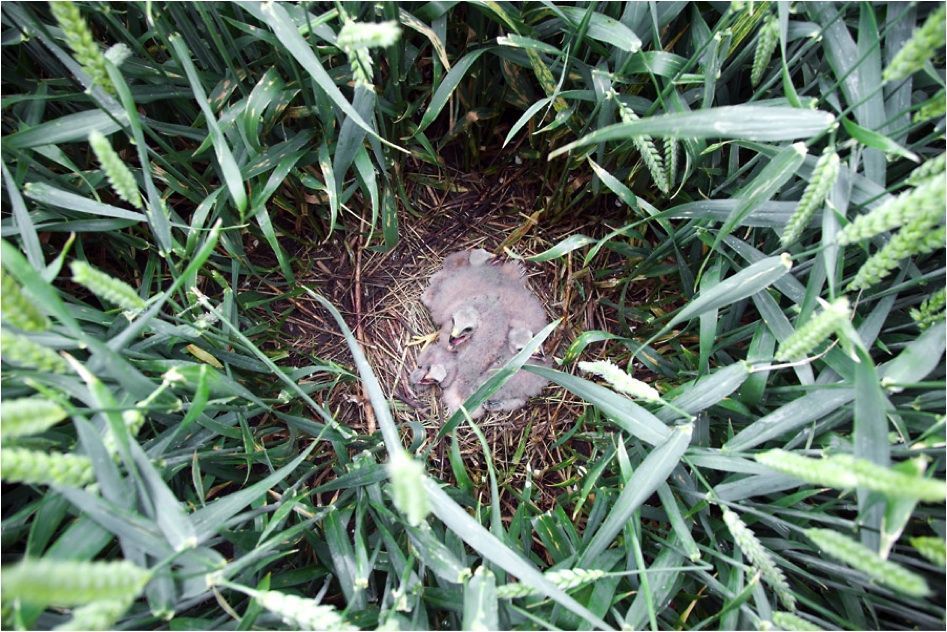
(119, 175)
(765, 46)
(824, 176)
(80, 39)
(759, 557)
(931, 311)
(18, 310)
(920, 48)
(28, 415)
(217, 219)
(865, 560)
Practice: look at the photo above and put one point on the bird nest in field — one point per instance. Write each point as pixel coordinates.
(378, 293)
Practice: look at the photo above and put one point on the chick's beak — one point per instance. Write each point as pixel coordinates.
(436, 374)
(456, 339)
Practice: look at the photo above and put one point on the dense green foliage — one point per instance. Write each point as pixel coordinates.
(161, 469)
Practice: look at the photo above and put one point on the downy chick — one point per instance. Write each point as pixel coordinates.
(451, 264)
(463, 258)
(436, 365)
(444, 299)
(523, 384)
(479, 335)
(526, 314)
(452, 285)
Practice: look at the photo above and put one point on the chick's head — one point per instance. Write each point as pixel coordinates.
(464, 323)
(435, 366)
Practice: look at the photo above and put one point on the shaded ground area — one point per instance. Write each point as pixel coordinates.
(378, 293)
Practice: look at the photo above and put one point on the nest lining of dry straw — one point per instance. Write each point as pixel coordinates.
(378, 293)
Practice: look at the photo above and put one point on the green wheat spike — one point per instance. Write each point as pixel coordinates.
(931, 310)
(26, 353)
(20, 465)
(931, 168)
(133, 420)
(922, 46)
(106, 287)
(566, 579)
(893, 483)
(18, 310)
(935, 107)
(824, 176)
(861, 558)
(299, 612)
(407, 488)
(765, 45)
(70, 583)
(814, 331)
(361, 35)
(645, 145)
(98, 615)
(356, 38)
(932, 548)
(921, 206)
(671, 159)
(912, 240)
(844, 471)
(119, 175)
(28, 415)
(759, 557)
(80, 40)
(823, 472)
(792, 623)
(620, 380)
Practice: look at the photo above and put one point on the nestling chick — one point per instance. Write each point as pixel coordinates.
(451, 264)
(487, 314)
(452, 285)
(517, 390)
(523, 384)
(479, 335)
(436, 365)
(463, 258)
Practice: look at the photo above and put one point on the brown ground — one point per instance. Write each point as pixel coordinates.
(378, 293)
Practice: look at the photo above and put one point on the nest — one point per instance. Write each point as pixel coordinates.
(378, 293)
